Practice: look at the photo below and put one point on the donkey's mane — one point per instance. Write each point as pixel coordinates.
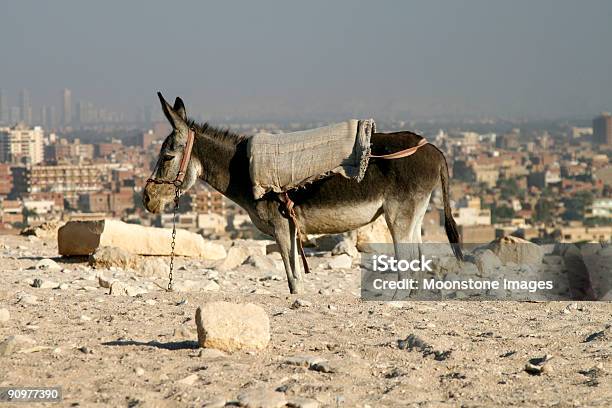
(222, 135)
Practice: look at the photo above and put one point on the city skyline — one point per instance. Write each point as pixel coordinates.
(292, 61)
(69, 112)
(63, 113)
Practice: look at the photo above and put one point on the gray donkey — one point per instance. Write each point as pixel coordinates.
(400, 189)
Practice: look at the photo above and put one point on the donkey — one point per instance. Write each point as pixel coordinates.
(400, 189)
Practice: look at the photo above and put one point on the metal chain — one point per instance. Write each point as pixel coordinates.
(177, 195)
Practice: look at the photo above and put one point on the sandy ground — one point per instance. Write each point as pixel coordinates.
(136, 351)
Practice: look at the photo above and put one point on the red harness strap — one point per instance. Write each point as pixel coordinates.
(402, 153)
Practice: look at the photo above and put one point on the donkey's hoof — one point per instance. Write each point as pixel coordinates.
(296, 287)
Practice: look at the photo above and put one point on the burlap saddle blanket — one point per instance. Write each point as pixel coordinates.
(282, 162)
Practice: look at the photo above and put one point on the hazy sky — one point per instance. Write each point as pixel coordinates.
(256, 58)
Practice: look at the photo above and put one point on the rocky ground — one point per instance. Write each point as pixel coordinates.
(137, 347)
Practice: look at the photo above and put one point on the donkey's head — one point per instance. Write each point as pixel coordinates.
(156, 196)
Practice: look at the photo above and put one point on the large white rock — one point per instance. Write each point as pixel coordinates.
(236, 255)
(118, 288)
(229, 326)
(83, 237)
(486, 262)
(516, 250)
(374, 233)
(340, 262)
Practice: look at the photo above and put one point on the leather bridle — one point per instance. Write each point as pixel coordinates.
(180, 176)
(177, 182)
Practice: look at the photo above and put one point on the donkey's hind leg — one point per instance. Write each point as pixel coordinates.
(404, 220)
(286, 238)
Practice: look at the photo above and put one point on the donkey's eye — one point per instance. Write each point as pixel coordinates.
(168, 157)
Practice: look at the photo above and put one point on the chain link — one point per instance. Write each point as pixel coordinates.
(177, 195)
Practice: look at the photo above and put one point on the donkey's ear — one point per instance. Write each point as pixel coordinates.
(179, 108)
(175, 119)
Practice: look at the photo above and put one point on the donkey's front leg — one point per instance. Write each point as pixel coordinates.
(286, 238)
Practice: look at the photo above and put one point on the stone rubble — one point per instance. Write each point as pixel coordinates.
(317, 335)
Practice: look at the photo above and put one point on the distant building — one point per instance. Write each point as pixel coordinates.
(208, 202)
(161, 129)
(509, 141)
(64, 151)
(57, 152)
(21, 144)
(116, 202)
(11, 211)
(56, 198)
(580, 233)
(188, 221)
(469, 212)
(212, 224)
(577, 132)
(431, 229)
(14, 114)
(486, 173)
(601, 208)
(599, 161)
(123, 177)
(470, 138)
(145, 139)
(602, 129)
(476, 234)
(70, 180)
(102, 150)
(39, 206)
(6, 179)
(3, 108)
(83, 151)
(66, 107)
(463, 171)
(25, 107)
(49, 117)
(537, 179)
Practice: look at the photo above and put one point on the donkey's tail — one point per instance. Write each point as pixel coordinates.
(449, 222)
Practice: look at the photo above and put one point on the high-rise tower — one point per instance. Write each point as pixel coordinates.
(602, 129)
(66, 107)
